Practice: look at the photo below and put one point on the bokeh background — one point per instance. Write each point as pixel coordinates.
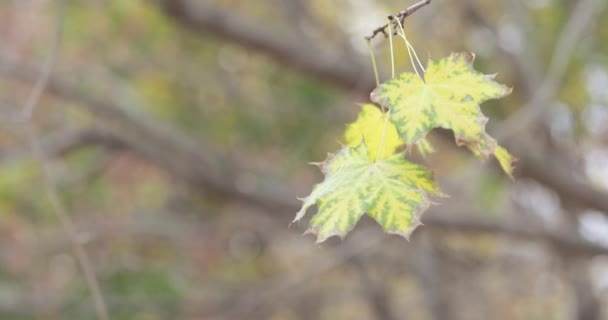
(151, 153)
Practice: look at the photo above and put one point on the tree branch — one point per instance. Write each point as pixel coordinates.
(66, 142)
(331, 67)
(567, 243)
(401, 15)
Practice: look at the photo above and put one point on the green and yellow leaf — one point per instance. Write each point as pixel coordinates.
(393, 191)
(379, 134)
(448, 97)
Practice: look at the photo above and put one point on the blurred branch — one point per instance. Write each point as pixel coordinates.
(588, 306)
(328, 66)
(68, 226)
(527, 70)
(298, 11)
(467, 222)
(64, 143)
(49, 64)
(376, 293)
(430, 275)
(549, 169)
(585, 14)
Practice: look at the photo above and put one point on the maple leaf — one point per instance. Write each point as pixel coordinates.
(392, 191)
(379, 134)
(448, 97)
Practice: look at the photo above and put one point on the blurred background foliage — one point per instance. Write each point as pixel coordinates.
(166, 244)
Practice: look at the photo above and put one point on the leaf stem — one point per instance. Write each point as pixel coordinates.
(390, 40)
(386, 116)
(410, 50)
(373, 57)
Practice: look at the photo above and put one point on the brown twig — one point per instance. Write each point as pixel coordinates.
(67, 224)
(401, 15)
(24, 118)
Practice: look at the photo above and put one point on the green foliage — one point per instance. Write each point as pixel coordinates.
(370, 176)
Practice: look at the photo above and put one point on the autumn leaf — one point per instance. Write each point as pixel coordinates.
(379, 134)
(448, 97)
(393, 191)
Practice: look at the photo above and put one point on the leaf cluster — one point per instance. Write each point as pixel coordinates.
(371, 174)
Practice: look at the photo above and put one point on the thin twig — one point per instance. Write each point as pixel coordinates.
(24, 117)
(401, 15)
(29, 107)
(67, 224)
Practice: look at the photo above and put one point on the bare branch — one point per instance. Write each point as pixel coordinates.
(401, 15)
(68, 226)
